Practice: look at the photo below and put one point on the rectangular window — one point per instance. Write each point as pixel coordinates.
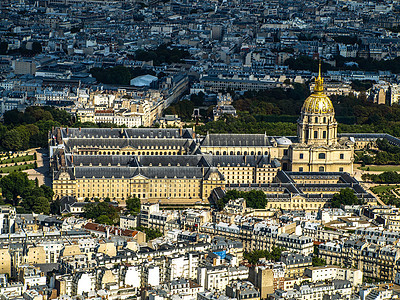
(324, 134)
(301, 155)
(315, 134)
(342, 156)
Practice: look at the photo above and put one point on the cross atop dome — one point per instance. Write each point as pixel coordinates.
(319, 81)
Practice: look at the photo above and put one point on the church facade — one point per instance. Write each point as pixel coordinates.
(318, 148)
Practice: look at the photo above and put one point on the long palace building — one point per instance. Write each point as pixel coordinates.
(176, 166)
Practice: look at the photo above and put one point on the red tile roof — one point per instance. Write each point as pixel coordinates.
(111, 229)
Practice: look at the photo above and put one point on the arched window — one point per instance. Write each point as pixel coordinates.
(231, 152)
(217, 153)
(252, 152)
(238, 153)
(321, 156)
(224, 153)
(321, 169)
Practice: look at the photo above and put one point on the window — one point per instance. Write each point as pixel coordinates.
(342, 156)
(324, 134)
(340, 169)
(321, 156)
(321, 169)
(301, 169)
(316, 119)
(315, 134)
(301, 155)
(285, 152)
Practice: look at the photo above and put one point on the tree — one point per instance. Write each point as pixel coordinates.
(30, 200)
(3, 48)
(36, 47)
(12, 140)
(41, 205)
(345, 197)
(254, 199)
(318, 262)
(133, 205)
(104, 220)
(151, 234)
(14, 185)
(255, 255)
(48, 192)
(99, 209)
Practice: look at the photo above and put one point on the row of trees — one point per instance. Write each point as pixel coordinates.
(29, 129)
(163, 54)
(119, 74)
(385, 177)
(24, 193)
(245, 123)
(387, 155)
(254, 199)
(254, 256)
(276, 101)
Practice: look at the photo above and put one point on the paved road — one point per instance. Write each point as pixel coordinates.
(42, 170)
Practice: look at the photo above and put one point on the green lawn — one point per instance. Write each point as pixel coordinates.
(381, 168)
(380, 189)
(16, 168)
(17, 159)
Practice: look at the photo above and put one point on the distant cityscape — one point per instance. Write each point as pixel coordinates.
(199, 150)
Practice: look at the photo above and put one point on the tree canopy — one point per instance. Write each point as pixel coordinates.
(163, 54)
(346, 196)
(118, 75)
(28, 129)
(254, 199)
(151, 233)
(254, 256)
(385, 177)
(133, 205)
(102, 212)
(16, 186)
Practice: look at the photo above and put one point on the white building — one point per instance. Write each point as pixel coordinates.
(218, 277)
(316, 274)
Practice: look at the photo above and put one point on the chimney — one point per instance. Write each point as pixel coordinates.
(67, 130)
(80, 129)
(180, 131)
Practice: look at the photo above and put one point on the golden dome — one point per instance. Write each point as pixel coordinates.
(318, 102)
